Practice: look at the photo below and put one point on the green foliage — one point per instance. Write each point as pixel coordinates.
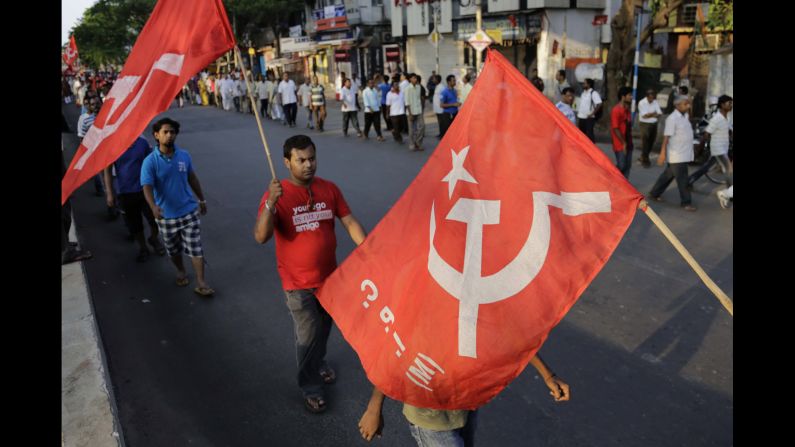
(252, 16)
(108, 30)
(721, 15)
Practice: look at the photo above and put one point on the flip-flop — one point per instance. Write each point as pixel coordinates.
(315, 404)
(204, 291)
(182, 282)
(328, 375)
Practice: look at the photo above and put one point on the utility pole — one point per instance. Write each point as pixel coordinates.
(478, 20)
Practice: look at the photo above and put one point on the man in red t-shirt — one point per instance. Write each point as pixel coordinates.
(301, 210)
(621, 130)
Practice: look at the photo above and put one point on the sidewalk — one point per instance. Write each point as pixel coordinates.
(88, 412)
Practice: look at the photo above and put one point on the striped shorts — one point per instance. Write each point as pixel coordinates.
(182, 231)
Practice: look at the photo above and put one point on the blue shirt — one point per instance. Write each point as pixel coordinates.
(384, 91)
(169, 180)
(448, 97)
(128, 167)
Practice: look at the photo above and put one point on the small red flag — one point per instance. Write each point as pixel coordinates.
(70, 53)
(513, 215)
(180, 38)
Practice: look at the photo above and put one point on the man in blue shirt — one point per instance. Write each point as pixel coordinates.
(167, 178)
(131, 197)
(384, 86)
(450, 105)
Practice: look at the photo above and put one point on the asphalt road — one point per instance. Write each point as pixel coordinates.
(647, 349)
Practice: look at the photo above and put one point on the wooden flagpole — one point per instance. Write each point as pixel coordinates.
(722, 297)
(255, 108)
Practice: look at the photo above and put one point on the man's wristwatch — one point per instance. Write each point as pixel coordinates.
(203, 202)
(270, 210)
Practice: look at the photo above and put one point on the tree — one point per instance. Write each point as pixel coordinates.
(108, 29)
(621, 57)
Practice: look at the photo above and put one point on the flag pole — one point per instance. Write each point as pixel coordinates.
(256, 110)
(722, 297)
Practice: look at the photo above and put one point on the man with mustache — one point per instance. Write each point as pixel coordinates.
(300, 210)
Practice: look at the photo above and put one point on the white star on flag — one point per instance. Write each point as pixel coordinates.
(458, 172)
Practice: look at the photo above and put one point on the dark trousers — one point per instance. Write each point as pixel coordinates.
(263, 108)
(350, 117)
(397, 127)
(66, 224)
(673, 171)
(648, 134)
(722, 160)
(236, 100)
(290, 112)
(312, 325)
(385, 111)
(446, 119)
(374, 119)
(135, 209)
(586, 126)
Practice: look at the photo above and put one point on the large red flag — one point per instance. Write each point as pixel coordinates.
(514, 214)
(70, 53)
(180, 38)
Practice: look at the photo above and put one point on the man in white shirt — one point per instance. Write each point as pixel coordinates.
(287, 90)
(412, 95)
(437, 103)
(305, 93)
(678, 146)
(648, 111)
(350, 109)
(226, 87)
(465, 88)
(718, 133)
(263, 94)
(241, 93)
(564, 105)
(590, 105)
(397, 111)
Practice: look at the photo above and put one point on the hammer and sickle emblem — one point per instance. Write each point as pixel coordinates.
(472, 289)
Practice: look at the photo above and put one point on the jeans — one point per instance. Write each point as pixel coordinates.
(374, 119)
(624, 161)
(416, 129)
(673, 171)
(648, 134)
(586, 126)
(348, 117)
(725, 166)
(312, 325)
(460, 437)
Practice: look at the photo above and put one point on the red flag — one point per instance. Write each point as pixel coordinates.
(70, 53)
(513, 215)
(180, 38)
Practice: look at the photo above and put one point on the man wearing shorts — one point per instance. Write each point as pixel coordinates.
(166, 175)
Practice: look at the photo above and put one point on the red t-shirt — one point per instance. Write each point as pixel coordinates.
(619, 118)
(305, 241)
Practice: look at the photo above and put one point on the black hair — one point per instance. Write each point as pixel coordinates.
(724, 99)
(562, 73)
(159, 124)
(567, 90)
(450, 77)
(684, 90)
(297, 142)
(590, 82)
(623, 91)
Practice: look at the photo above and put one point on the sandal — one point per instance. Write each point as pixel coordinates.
(204, 291)
(328, 375)
(182, 282)
(315, 404)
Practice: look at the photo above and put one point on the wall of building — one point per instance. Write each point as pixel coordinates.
(581, 42)
(421, 56)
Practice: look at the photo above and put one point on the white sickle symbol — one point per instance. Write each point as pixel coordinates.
(468, 286)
